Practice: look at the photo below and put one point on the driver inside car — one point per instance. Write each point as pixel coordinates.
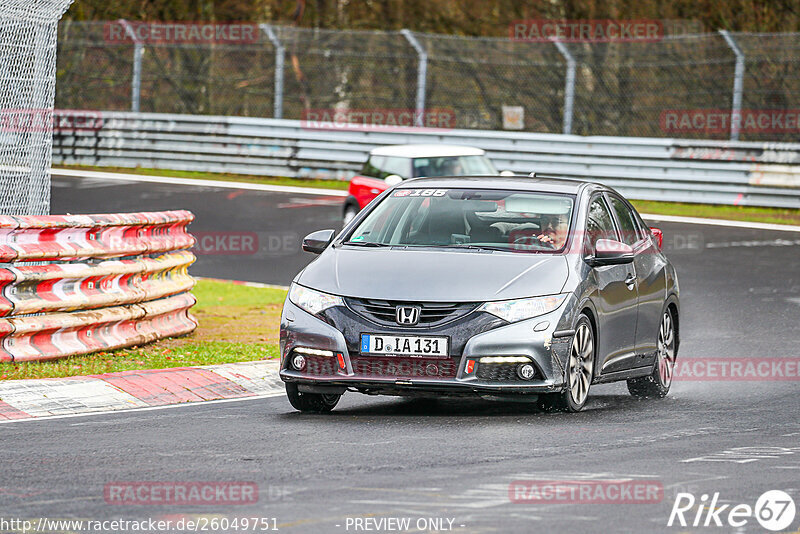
(452, 167)
(553, 230)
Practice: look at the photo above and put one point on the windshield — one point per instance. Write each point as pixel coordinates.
(469, 218)
(454, 166)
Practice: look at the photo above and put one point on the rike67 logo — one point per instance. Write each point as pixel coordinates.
(774, 510)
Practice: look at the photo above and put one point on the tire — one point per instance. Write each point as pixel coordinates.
(310, 402)
(350, 212)
(580, 371)
(656, 385)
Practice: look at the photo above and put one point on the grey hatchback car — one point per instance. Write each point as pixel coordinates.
(503, 288)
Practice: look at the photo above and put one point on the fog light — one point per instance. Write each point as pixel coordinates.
(525, 371)
(299, 362)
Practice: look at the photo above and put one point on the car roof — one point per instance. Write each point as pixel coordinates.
(426, 151)
(524, 183)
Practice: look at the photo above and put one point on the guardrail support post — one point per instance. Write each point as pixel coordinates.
(738, 85)
(569, 85)
(136, 80)
(279, 59)
(422, 75)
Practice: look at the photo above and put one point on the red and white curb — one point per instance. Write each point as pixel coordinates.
(59, 397)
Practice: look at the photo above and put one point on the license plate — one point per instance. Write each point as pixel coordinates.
(418, 346)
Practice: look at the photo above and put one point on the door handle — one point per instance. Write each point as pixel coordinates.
(630, 281)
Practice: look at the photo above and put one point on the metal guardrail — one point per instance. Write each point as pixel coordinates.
(131, 285)
(716, 172)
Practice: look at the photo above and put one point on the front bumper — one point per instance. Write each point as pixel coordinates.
(475, 336)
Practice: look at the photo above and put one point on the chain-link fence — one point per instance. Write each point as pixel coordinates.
(676, 86)
(27, 85)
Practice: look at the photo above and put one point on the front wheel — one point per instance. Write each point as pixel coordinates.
(656, 385)
(580, 369)
(310, 402)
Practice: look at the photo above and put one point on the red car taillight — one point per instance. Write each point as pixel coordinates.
(659, 235)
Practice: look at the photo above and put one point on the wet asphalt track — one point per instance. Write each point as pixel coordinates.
(387, 457)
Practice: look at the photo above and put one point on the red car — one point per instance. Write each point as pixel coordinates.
(389, 165)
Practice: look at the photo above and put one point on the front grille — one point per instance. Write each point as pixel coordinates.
(499, 372)
(320, 366)
(383, 312)
(403, 367)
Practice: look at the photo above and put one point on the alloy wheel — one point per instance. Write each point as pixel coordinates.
(581, 364)
(666, 349)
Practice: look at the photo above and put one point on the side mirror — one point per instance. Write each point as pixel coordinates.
(393, 179)
(610, 252)
(506, 173)
(316, 242)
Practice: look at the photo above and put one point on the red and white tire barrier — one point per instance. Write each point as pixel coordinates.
(55, 335)
(26, 399)
(75, 286)
(129, 287)
(66, 237)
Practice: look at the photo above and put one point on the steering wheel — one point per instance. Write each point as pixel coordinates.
(535, 240)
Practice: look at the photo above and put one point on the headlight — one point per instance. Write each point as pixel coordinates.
(519, 309)
(313, 301)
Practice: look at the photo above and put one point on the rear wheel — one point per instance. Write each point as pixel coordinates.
(310, 402)
(656, 385)
(580, 370)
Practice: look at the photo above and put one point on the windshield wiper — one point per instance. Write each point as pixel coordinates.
(479, 247)
(465, 246)
(365, 244)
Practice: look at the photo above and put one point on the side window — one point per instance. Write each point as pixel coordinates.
(599, 224)
(644, 230)
(373, 167)
(398, 166)
(383, 166)
(628, 227)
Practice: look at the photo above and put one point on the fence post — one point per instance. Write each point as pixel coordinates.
(138, 52)
(569, 85)
(38, 197)
(738, 85)
(422, 75)
(279, 58)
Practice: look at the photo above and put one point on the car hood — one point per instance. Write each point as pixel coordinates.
(434, 274)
